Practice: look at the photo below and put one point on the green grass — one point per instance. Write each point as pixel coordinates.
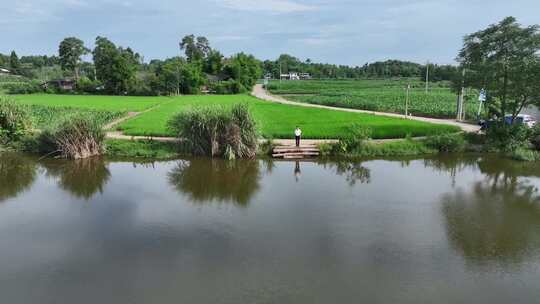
(279, 121)
(44, 116)
(94, 102)
(274, 120)
(396, 148)
(376, 95)
(405, 147)
(141, 149)
(46, 108)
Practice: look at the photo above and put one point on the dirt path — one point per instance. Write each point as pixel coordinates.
(120, 135)
(261, 93)
(278, 142)
(130, 115)
(120, 120)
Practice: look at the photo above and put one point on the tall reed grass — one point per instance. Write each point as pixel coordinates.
(217, 131)
(15, 121)
(74, 137)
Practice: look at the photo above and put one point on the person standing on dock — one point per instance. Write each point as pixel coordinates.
(297, 135)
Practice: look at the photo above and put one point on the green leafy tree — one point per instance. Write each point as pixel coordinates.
(176, 76)
(115, 67)
(214, 62)
(195, 48)
(39, 61)
(244, 68)
(168, 76)
(14, 63)
(70, 51)
(191, 78)
(4, 60)
(504, 60)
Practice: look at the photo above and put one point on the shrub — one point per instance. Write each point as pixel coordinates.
(355, 138)
(15, 121)
(23, 87)
(325, 149)
(227, 87)
(507, 138)
(74, 137)
(395, 148)
(374, 149)
(267, 147)
(523, 154)
(217, 131)
(446, 142)
(535, 137)
(87, 85)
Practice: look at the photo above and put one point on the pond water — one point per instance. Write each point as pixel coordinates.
(451, 229)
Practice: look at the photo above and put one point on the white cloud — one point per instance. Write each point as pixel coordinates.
(76, 3)
(229, 38)
(274, 6)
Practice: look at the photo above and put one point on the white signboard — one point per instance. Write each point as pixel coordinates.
(482, 99)
(482, 96)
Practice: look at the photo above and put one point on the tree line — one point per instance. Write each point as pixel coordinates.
(381, 69)
(120, 70)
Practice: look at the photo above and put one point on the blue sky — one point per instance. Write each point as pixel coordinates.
(338, 31)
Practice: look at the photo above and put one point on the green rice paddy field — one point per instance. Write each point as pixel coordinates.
(377, 95)
(275, 120)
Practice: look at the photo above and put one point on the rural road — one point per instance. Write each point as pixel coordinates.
(261, 93)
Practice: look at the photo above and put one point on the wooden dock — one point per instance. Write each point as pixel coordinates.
(293, 152)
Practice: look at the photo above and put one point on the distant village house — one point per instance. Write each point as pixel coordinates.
(62, 84)
(295, 76)
(212, 79)
(4, 71)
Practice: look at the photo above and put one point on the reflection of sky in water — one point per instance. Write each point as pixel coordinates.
(387, 237)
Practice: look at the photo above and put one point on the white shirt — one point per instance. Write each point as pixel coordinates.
(298, 132)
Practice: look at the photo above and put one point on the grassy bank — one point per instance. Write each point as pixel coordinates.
(405, 147)
(142, 149)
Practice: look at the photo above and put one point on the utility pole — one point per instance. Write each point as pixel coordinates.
(280, 71)
(463, 103)
(177, 80)
(427, 77)
(460, 105)
(460, 115)
(407, 101)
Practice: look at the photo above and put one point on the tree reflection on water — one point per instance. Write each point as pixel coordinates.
(17, 174)
(82, 178)
(353, 171)
(207, 180)
(498, 219)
